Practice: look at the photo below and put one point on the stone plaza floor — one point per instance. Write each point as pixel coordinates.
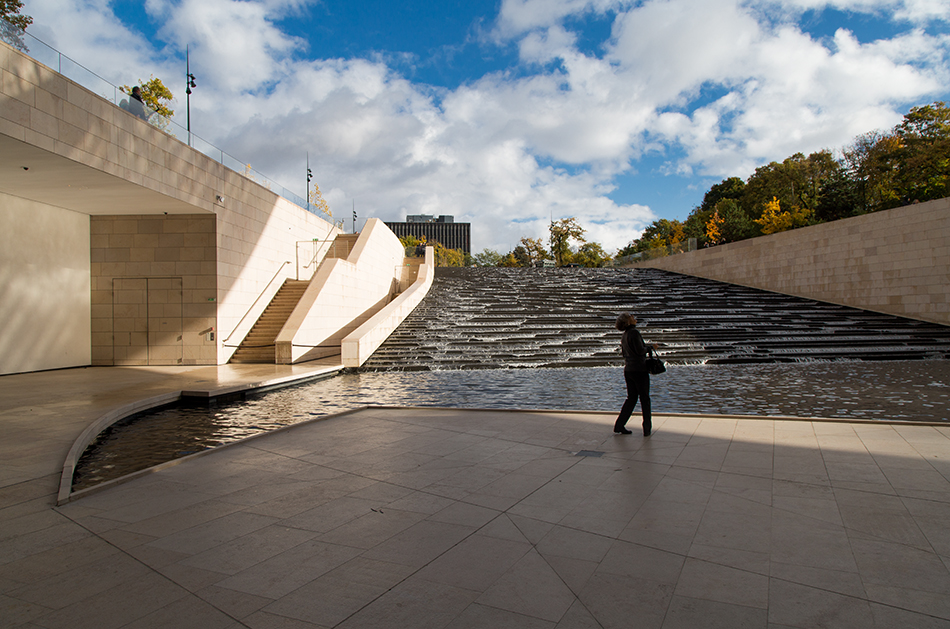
(427, 517)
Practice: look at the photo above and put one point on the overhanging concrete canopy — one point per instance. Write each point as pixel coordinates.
(33, 173)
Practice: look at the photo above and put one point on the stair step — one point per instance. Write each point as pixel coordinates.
(258, 344)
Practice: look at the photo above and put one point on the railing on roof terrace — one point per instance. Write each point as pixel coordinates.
(659, 252)
(49, 56)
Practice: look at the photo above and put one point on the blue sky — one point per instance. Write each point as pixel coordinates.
(507, 113)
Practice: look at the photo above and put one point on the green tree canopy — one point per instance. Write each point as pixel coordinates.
(924, 164)
(731, 188)
(488, 257)
(592, 254)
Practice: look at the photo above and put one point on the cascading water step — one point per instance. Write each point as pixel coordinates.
(478, 318)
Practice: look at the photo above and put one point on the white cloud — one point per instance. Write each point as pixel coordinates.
(784, 91)
(710, 84)
(235, 44)
(90, 34)
(519, 16)
(914, 11)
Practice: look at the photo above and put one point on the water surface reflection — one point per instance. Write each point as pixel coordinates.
(899, 390)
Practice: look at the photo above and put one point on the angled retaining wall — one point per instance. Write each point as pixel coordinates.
(360, 344)
(895, 261)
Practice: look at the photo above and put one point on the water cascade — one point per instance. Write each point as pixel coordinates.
(479, 318)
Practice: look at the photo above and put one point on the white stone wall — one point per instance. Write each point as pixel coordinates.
(44, 287)
(100, 160)
(894, 261)
(343, 295)
(256, 251)
(360, 344)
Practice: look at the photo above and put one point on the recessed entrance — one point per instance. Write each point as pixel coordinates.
(147, 321)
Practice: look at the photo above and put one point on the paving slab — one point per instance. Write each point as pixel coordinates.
(427, 517)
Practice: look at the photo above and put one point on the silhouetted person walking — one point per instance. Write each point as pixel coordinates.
(635, 375)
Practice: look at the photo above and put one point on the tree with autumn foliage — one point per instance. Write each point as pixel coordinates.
(317, 200)
(155, 95)
(659, 234)
(13, 24)
(714, 229)
(443, 255)
(877, 171)
(562, 232)
(448, 257)
(774, 219)
(534, 251)
(509, 261)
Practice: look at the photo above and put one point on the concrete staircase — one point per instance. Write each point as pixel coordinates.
(258, 345)
(342, 246)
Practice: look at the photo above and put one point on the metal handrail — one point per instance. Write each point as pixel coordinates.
(314, 258)
(224, 342)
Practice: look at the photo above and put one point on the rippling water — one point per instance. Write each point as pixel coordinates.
(899, 390)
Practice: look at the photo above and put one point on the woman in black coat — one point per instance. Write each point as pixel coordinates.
(635, 374)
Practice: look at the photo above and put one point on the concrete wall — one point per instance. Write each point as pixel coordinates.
(154, 290)
(360, 344)
(895, 261)
(44, 287)
(63, 146)
(343, 295)
(257, 246)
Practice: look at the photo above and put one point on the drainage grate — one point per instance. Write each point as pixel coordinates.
(594, 453)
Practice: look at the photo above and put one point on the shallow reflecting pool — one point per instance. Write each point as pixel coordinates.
(899, 390)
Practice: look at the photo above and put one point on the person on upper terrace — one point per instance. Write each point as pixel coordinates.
(137, 105)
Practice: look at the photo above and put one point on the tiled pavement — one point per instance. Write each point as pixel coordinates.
(460, 518)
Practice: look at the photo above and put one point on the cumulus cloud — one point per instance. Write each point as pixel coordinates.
(236, 43)
(714, 87)
(519, 16)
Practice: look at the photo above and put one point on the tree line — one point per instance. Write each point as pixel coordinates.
(877, 171)
(567, 246)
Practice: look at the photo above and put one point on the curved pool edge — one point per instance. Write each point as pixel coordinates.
(92, 431)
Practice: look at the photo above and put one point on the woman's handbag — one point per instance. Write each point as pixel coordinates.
(654, 364)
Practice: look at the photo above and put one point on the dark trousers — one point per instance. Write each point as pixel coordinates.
(638, 386)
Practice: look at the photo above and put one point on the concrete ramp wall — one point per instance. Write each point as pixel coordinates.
(362, 342)
(895, 261)
(343, 295)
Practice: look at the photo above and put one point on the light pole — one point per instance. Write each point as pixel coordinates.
(309, 177)
(189, 83)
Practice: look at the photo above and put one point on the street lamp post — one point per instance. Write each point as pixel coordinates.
(189, 83)
(309, 177)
